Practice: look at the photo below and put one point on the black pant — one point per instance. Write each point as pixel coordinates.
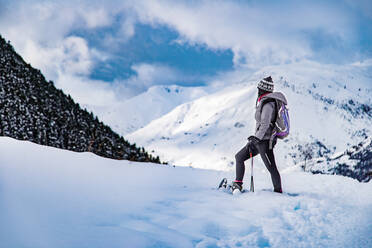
(267, 156)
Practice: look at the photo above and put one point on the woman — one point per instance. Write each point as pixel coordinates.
(261, 143)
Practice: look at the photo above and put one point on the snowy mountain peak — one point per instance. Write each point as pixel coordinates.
(330, 110)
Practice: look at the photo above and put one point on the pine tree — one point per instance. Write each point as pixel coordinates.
(31, 108)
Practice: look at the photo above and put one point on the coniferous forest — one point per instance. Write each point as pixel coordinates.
(33, 109)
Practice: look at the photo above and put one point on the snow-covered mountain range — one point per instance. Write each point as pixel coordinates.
(330, 110)
(136, 112)
(355, 162)
(56, 198)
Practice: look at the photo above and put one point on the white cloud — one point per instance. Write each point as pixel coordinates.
(97, 93)
(127, 27)
(94, 93)
(41, 32)
(364, 63)
(147, 75)
(48, 24)
(69, 64)
(68, 56)
(258, 33)
(95, 17)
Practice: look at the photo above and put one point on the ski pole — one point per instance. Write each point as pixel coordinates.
(252, 184)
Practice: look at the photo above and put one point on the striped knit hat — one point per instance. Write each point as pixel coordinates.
(266, 84)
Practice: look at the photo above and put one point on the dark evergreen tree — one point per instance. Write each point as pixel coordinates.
(31, 108)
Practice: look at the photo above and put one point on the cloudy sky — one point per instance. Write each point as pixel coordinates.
(110, 50)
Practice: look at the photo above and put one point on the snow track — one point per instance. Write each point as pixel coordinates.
(54, 198)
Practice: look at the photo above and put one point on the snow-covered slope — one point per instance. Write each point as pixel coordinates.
(330, 109)
(355, 162)
(32, 108)
(130, 115)
(56, 198)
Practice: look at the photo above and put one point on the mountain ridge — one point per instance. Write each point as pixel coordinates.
(32, 108)
(327, 115)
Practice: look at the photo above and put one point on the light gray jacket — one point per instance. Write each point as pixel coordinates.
(265, 114)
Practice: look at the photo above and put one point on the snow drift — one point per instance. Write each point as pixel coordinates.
(57, 198)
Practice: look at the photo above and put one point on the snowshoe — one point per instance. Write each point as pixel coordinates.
(223, 183)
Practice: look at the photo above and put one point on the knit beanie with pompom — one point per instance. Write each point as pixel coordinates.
(266, 84)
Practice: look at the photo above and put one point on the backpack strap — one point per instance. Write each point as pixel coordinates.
(276, 108)
(273, 137)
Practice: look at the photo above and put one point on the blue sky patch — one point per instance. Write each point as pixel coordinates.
(152, 45)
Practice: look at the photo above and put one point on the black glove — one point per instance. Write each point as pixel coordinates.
(254, 140)
(252, 144)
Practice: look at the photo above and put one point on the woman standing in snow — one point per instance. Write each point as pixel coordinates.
(261, 143)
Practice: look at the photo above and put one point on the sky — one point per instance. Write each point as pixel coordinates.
(102, 52)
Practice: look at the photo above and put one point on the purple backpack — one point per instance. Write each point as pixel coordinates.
(281, 124)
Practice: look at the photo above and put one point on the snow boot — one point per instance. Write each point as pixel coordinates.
(278, 191)
(237, 186)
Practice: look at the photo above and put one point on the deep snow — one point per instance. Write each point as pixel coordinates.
(55, 198)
